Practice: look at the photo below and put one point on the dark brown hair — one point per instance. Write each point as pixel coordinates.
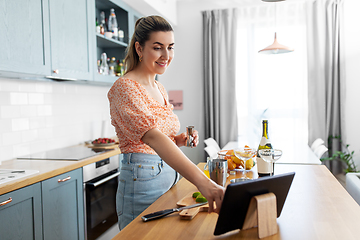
(143, 28)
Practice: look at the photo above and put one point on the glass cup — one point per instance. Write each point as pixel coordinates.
(206, 167)
(270, 155)
(245, 153)
(218, 171)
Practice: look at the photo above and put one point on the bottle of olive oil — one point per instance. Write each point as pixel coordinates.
(264, 168)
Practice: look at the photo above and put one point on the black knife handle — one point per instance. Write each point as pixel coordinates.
(159, 214)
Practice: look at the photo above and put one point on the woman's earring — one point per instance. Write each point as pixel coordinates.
(140, 58)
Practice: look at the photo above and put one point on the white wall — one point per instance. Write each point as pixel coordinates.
(352, 61)
(36, 116)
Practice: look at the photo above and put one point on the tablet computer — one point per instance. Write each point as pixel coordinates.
(238, 195)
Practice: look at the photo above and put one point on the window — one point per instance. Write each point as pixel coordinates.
(272, 87)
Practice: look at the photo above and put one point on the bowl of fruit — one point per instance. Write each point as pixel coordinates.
(233, 161)
(100, 142)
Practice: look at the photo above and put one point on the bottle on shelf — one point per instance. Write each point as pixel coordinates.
(104, 67)
(122, 71)
(112, 62)
(118, 68)
(121, 35)
(113, 26)
(103, 27)
(97, 26)
(111, 71)
(264, 168)
(99, 66)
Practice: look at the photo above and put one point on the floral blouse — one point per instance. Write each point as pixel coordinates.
(134, 112)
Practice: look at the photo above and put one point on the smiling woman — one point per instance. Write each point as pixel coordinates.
(147, 128)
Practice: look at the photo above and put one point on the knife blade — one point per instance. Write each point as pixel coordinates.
(160, 214)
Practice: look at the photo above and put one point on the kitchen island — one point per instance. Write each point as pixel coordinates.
(317, 207)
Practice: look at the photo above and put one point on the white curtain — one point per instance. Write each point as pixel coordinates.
(326, 72)
(272, 87)
(219, 45)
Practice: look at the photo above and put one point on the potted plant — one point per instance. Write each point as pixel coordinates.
(345, 156)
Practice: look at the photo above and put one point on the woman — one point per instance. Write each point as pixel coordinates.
(146, 126)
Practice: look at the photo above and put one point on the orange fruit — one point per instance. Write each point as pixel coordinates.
(231, 164)
(230, 152)
(236, 160)
(241, 165)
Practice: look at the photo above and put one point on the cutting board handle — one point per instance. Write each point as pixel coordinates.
(262, 213)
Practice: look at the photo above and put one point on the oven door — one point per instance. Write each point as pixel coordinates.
(100, 204)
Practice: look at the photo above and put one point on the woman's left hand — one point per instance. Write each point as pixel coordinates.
(181, 139)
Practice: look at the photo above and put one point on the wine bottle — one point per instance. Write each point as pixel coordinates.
(264, 168)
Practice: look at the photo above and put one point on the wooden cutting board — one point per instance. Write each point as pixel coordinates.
(189, 214)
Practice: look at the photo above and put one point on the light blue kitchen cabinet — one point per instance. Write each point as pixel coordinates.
(58, 40)
(71, 46)
(20, 216)
(126, 18)
(24, 37)
(63, 206)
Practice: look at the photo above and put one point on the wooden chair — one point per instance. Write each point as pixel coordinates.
(213, 143)
(211, 151)
(316, 144)
(320, 150)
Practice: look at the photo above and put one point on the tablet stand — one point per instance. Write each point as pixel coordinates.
(262, 213)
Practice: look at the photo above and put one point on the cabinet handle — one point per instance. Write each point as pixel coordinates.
(56, 71)
(6, 202)
(64, 180)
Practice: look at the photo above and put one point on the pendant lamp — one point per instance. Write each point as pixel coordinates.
(275, 47)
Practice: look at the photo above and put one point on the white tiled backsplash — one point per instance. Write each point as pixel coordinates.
(36, 116)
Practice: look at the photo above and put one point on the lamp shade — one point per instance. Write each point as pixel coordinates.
(272, 0)
(276, 48)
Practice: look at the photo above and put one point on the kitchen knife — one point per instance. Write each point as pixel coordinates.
(159, 214)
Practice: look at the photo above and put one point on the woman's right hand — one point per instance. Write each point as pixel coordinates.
(213, 193)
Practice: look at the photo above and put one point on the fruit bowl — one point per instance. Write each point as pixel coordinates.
(102, 142)
(233, 161)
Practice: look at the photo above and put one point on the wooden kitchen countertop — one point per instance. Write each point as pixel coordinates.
(317, 207)
(47, 169)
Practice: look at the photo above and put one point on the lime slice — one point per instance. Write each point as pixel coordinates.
(200, 198)
(195, 194)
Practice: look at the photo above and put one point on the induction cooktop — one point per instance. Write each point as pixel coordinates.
(74, 153)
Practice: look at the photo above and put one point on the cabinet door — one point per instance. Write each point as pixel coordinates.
(70, 43)
(20, 216)
(63, 206)
(24, 37)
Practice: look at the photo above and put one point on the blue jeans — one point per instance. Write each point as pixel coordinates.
(143, 179)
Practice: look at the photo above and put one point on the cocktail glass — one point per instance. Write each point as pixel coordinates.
(245, 153)
(271, 156)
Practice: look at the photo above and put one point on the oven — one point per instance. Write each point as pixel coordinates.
(100, 186)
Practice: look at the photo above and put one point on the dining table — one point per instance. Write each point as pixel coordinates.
(317, 207)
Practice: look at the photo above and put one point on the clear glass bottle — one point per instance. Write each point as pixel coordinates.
(103, 27)
(104, 67)
(264, 168)
(113, 26)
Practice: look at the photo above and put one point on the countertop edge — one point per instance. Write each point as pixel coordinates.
(47, 169)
